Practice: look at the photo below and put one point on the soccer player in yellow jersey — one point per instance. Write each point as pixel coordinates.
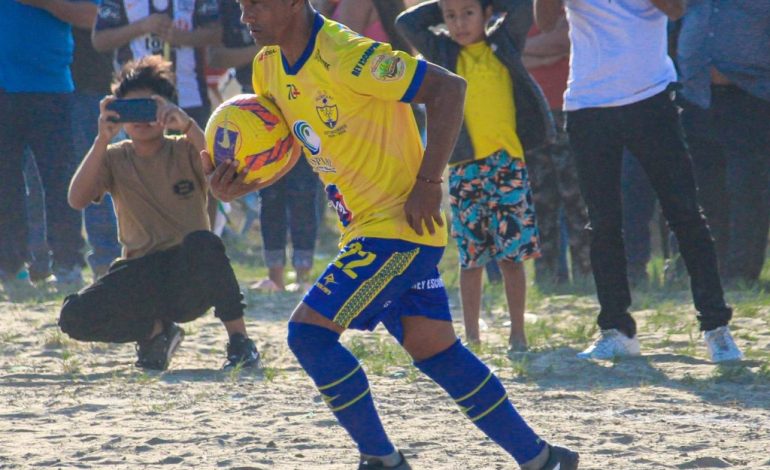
(346, 98)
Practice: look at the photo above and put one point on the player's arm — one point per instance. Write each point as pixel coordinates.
(674, 9)
(547, 14)
(87, 183)
(443, 94)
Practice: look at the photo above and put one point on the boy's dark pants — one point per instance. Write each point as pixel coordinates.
(651, 131)
(175, 285)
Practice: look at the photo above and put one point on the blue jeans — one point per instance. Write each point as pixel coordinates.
(652, 132)
(290, 203)
(101, 225)
(42, 123)
(742, 124)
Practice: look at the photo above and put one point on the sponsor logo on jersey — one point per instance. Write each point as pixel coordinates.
(359, 67)
(305, 133)
(317, 57)
(337, 202)
(293, 92)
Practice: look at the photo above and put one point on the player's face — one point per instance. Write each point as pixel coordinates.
(267, 19)
(142, 131)
(465, 20)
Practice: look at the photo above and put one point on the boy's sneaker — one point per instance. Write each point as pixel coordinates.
(241, 351)
(372, 463)
(156, 353)
(610, 344)
(721, 345)
(561, 458)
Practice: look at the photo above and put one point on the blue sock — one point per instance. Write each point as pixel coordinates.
(343, 385)
(483, 400)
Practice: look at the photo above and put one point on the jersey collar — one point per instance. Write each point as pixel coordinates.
(318, 22)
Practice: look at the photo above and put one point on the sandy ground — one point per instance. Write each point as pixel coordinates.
(80, 405)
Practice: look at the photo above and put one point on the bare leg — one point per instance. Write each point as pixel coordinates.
(275, 274)
(235, 326)
(470, 293)
(515, 280)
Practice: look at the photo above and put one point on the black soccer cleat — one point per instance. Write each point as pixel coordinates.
(373, 463)
(561, 458)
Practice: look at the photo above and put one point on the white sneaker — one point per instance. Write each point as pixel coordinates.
(610, 344)
(721, 345)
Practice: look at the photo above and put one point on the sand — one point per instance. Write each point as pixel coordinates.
(83, 405)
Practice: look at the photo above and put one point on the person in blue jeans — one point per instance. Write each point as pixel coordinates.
(35, 102)
(92, 73)
(723, 58)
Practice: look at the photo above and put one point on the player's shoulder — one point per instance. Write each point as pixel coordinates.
(267, 53)
(343, 48)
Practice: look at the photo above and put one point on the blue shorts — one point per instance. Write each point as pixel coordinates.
(375, 280)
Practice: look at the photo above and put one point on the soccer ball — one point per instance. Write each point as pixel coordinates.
(251, 130)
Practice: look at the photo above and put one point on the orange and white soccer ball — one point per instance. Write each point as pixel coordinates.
(251, 130)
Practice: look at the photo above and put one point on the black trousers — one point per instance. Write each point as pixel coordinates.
(652, 132)
(175, 285)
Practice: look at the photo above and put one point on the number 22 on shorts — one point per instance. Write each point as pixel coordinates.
(361, 259)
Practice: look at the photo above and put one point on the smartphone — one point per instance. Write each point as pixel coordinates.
(134, 110)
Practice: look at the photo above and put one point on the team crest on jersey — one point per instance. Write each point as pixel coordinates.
(307, 136)
(327, 110)
(387, 68)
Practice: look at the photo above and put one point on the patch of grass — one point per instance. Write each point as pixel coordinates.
(70, 364)
(378, 353)
(56, 340)
(270, 373)
(580, 333)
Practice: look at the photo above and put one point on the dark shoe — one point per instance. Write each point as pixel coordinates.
(156, 353)
(241, 351)
(371, 463)
(561, 459)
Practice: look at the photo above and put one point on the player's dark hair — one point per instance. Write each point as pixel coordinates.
(148, 73)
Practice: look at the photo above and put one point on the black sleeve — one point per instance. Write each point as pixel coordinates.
(415, 23)
(519, 15)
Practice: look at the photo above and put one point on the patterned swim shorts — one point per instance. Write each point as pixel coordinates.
(493, 216)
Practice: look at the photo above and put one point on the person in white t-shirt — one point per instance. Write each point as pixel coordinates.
(620, 94)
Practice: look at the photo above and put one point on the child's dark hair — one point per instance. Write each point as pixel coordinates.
(148, 73)
(484, 3)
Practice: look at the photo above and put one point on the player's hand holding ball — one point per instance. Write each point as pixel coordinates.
(251, 145)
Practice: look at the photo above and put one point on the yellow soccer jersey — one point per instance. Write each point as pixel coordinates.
(346, 101)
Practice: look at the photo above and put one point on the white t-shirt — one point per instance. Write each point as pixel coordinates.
(619, 53)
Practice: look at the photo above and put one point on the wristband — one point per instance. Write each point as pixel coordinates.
(430, 180)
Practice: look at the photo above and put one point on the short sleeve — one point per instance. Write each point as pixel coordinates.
(257, 70)
(110, 14)
(206, 12)
(104, 180)
(375, 69)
